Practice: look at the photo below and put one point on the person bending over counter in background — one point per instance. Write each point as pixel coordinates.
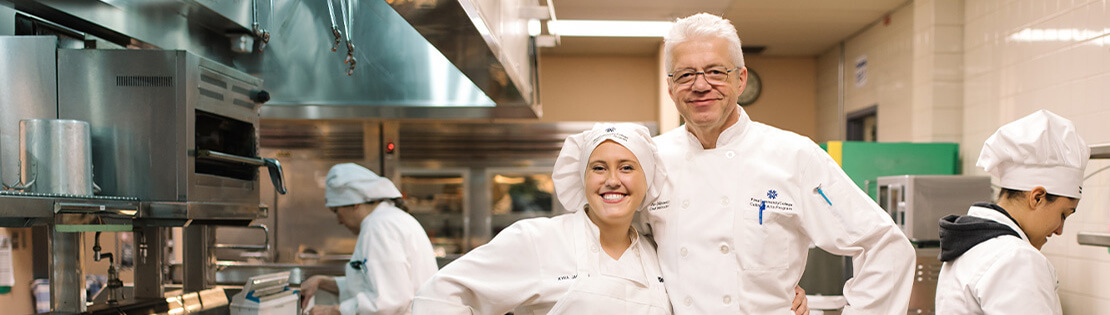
(392, 256)
(992, 259)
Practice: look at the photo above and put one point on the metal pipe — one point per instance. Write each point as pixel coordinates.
(200, 259)
(67, 281)
(841, 123)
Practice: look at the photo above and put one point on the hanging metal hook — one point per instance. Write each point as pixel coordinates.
(334, 26)
(256, 28)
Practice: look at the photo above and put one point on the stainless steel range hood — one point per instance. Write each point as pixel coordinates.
(438, 59)
(446, 70)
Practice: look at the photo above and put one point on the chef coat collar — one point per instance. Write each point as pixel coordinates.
(730, 134)
(633, 248)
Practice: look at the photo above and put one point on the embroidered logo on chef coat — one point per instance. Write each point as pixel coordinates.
(762, 205)
(771, 202)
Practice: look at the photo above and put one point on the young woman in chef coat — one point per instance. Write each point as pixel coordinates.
(590, 261)
(992, 259)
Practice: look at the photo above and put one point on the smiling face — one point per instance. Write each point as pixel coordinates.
(706, 106)
(615, 184)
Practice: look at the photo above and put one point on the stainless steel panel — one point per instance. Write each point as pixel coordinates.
(28, 83)
(237, 274)
(396, 66)
(308, 149)
(302, 219)
(7, 19)
(472, 34)
(139, 130)
(149, 259)
(149, 24)
(917, 202)
(926, 273)
(67, 278)
(223, 16)
(1100, 151)
(197, 271)
(486, 144)
(343, 111)
(1094, 239)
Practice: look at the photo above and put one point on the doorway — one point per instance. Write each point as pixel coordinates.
(863, 125)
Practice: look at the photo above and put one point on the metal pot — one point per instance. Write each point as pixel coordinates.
(55, 157)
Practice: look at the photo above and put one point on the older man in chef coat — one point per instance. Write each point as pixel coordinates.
(750, 198)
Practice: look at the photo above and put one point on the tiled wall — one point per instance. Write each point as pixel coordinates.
(1024, 55)
(887, 48)
(937, 110)
(1017, 56)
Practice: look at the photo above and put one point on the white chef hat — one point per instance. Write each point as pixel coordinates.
(1042, 149)
(570, 167)
(350, 183)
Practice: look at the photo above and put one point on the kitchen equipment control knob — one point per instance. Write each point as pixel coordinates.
(260, 96)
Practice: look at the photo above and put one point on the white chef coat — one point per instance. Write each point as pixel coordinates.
(735, 234)
(393, 257)
(543, 265)
(1002, 275)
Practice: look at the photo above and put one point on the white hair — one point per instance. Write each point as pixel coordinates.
(699, 26)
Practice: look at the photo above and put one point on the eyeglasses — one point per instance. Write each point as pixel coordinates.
(716, 75)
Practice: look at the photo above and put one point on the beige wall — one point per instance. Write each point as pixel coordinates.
(888, 51)
(598, 88)
(788, 99)
(628, 88)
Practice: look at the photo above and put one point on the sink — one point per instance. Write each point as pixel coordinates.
(236, 273)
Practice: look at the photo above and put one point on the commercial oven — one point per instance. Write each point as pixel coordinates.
(168, 125)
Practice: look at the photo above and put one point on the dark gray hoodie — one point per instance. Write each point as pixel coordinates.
(958, 234)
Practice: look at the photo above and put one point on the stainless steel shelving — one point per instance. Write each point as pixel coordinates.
(19, 209)
(1098, 151)
(1094, 239)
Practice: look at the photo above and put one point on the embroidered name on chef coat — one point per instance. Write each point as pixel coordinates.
(567, 277)
(659, 205)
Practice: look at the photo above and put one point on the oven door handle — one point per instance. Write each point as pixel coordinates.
(276, 175)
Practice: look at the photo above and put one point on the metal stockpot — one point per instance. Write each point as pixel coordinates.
(55, 157)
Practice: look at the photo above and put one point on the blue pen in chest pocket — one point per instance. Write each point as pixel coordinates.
(762, 206)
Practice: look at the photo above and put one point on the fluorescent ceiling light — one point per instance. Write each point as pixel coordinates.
(533, 27)
(595, 28)
(1094, 37)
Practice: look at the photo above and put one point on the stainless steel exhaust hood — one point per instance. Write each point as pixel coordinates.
(459, 59)
(400, 72)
